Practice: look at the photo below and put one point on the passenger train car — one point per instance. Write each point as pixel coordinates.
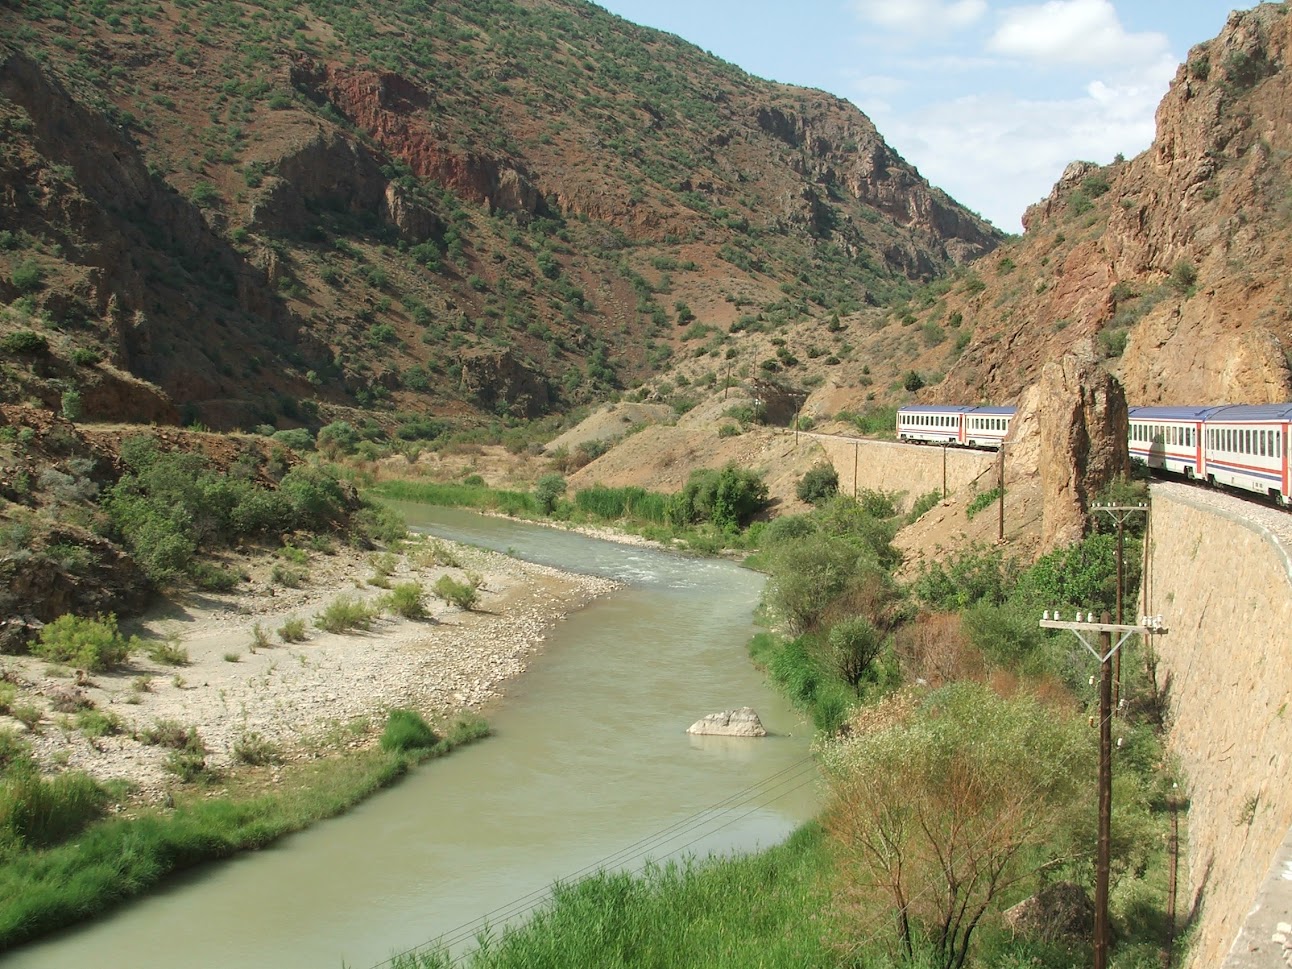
(981, 427)
(1233, 445)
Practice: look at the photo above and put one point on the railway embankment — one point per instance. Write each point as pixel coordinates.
(908, 469)
(1220, 573)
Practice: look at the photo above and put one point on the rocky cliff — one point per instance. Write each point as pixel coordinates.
(1174, 262)
(271, 218)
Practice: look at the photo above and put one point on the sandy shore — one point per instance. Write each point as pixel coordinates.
(308, 697)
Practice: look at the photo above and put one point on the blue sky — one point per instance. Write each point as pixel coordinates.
(989, 99)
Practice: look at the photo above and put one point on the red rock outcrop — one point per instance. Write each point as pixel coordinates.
(1082, 423)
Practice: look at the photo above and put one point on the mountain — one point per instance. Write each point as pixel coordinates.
(1172, 266)
(278, 213)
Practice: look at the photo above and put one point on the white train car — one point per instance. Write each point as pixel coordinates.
(1246, 446)
(980, 427)
(1235, 446)
(1169, 438)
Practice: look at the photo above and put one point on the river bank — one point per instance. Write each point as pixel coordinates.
(245, 690)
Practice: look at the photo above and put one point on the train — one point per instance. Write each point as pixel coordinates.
(1240, 446)
(964, 426)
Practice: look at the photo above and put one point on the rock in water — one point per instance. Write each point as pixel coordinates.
(730, 723)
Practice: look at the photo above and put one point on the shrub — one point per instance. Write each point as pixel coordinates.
(252, 748)
(98, 723)
(548, 491)
(729, 430)
(981, 501)
(91, 644)
(923, 504)
(464, 595)
(169, 733)
(27, 277)
(168, 652)
(343, 614)
(292, 630)
(86, 357)
(71, 405)
(1183, 275)
(26, 342)
(288, 576)
(818, 484)
(729, 498)
(912, 381)
(408, 599)
(406, 730)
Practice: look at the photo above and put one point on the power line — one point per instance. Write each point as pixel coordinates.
(782, 783)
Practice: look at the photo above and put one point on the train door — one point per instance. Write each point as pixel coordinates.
(962, 427)
(1197, 470)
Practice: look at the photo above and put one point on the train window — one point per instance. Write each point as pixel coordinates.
(1262, 443)
(1248, 444)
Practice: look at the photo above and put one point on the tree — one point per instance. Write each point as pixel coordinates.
(912, 381)
(852, 645)
(939, 811)
(818, 484)
(547, 492)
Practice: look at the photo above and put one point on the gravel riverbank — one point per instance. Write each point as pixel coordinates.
(242, 684)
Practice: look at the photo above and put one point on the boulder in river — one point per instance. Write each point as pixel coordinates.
(730, 723)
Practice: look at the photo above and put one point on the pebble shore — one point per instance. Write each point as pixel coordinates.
(306, 698)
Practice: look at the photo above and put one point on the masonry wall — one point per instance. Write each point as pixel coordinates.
(1223, 589)
(905, 468)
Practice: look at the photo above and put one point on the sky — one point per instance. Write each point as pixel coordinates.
(989, 99)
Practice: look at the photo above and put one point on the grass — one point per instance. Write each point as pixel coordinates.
(293, 630)
(343, 614)
(454, 495)
(464, 595)
(116, 859)
(761, 910)
(407, 599)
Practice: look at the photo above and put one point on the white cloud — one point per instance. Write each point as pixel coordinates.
(999, 153)
(920, 16)
(1073, 32)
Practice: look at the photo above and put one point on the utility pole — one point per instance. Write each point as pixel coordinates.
(1000, 487)
(856, 447)
(1084, 630)
(945, 445)
(1119, 514)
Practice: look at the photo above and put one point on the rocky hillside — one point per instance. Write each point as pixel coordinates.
(268, 213)
(1173, 265)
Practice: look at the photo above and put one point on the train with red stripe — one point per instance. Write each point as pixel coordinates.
(956, 424)
(1241, 446)
(1246, 447)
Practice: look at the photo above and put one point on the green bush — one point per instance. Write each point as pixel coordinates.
(90, 644)
(818, 484)
(464, 595)
(408, 599)
(406, 730)
(548, 492)
(345, 613)
(292, 630)
(27, 277)
(26, 342)
(923, 504)
(729, 498)
(981, 501)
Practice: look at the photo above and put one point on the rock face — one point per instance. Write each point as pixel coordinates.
(1082, 421)
(730, 723)
(1175, 260)
(495, 379)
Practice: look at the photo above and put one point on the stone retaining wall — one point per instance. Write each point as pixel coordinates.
(1222, 586)
(906, 468)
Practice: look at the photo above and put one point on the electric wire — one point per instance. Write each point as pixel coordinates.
(781, 783)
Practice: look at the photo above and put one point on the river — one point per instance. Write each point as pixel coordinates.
(589, 766)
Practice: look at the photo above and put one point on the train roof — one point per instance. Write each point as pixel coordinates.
(1216, 412)
(1171, 413)
(956, 409)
